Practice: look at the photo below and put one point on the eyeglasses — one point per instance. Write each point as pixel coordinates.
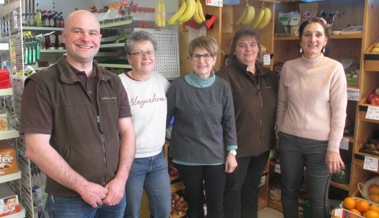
(140, 54)
(206, 57)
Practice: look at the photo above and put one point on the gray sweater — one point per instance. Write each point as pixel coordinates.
(204, 121)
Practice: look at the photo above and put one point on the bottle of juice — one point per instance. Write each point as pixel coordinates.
(38, 17)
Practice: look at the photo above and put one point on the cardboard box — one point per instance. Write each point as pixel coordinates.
(8, 158)
(9, 203)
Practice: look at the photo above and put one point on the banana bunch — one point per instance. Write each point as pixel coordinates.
(263, 18)
(199, 13)
(247, 15)
(186, 11)
(160, 14)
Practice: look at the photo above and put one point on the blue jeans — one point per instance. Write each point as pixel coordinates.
(295, 153)
(70, 207)
(149, 174)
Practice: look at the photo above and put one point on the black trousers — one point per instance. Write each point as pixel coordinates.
(242, 187)
(200, 179)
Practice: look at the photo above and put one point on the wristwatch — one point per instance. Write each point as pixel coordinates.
(233, 152)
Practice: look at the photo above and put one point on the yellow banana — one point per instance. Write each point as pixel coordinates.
(200, 10)
(196, 16)
(266, 19)
(178, 13)
(242, 17)
(190, 11)
(157, 14)
(163, 14)
(259, 18)
(249, 15)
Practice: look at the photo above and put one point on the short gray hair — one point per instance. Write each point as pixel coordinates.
(139, 36)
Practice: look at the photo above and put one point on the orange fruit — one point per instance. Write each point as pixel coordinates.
(362, 206)
(373, 189)
(374, 207)
(374, 198)
(349, 203)
(371, 214)
(355, 211)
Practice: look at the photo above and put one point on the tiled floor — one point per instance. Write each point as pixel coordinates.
(269, 213)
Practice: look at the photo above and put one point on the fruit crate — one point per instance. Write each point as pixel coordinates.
(345, 213)
(371, 59)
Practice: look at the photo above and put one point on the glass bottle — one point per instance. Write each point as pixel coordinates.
(38, 17)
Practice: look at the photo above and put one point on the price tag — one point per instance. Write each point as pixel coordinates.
(352, 94)
(372, 113)
(370, 163)
(266, 59)
(344, 143)
(217, 3)
(277, 168)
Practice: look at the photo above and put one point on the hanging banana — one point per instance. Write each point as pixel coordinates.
(196, 16)
(266, 18)
(259, 18)
(163, 14)
(178, 13)
(200, 10)
(242, 17)
(190, 11)
(249, 15)
(157, 14)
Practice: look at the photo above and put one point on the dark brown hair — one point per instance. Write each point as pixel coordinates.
(318, 20)
(241, 33)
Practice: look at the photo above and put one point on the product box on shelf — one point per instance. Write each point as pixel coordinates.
(9, 203)
(8, 161)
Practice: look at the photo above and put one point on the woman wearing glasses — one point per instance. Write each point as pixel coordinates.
(147, 98)
(311, 119)
(255, 98)
(203, 130)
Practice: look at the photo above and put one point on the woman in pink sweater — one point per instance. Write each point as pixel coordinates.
(310, 120)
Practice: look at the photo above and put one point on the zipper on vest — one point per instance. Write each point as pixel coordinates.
(104, 150)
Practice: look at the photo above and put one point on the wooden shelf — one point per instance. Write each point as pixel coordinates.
(277, 205)
(178, 216)
(371, 68)
(339, 185)
(177, 187)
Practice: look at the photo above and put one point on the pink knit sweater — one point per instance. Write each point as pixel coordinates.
(313, 99)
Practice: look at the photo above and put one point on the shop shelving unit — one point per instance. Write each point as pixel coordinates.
(351, 12)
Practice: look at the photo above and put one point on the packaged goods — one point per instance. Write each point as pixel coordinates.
(9, 203)
(8, 160)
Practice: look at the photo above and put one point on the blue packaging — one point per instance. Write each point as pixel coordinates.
(231, 2)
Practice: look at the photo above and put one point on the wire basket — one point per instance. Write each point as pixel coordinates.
(363, 187)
